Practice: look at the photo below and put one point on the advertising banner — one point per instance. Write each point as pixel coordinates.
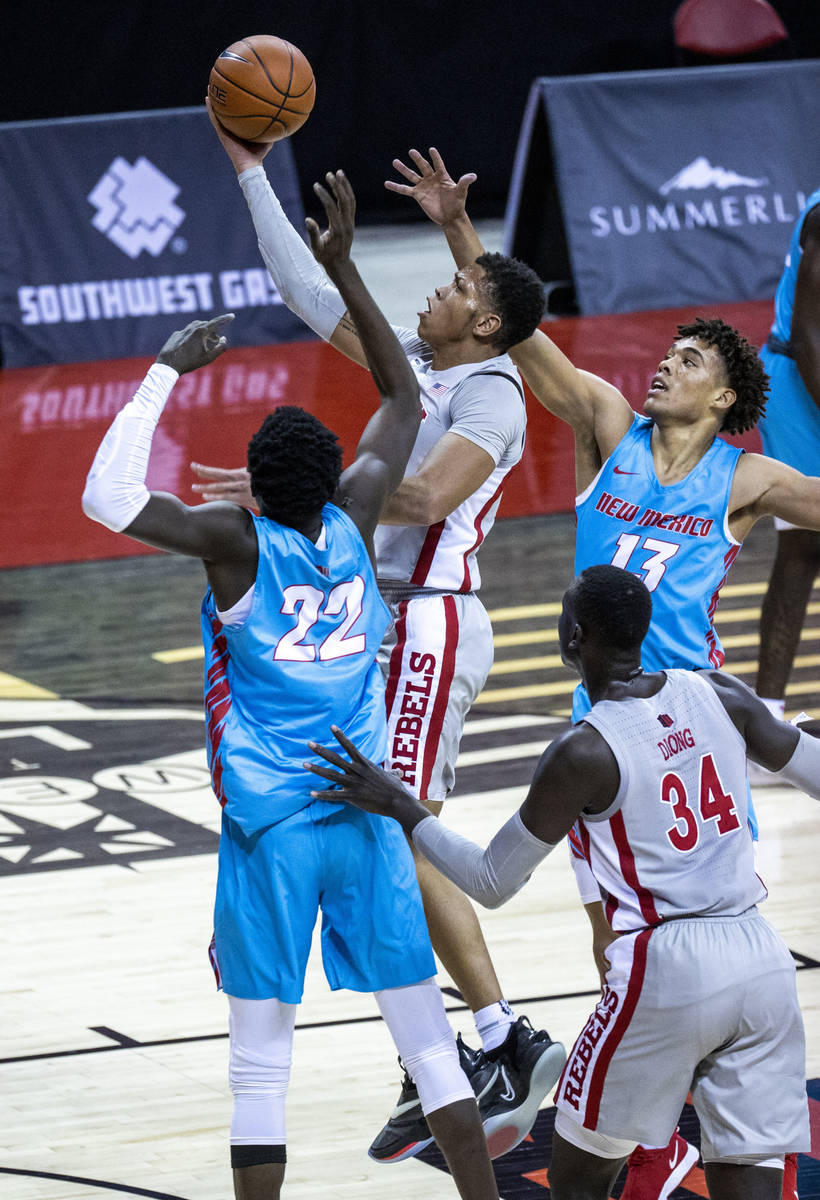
(119, 229)
(668, 188)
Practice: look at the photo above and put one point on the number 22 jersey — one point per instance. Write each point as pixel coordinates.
(303, 660)
(675, 538)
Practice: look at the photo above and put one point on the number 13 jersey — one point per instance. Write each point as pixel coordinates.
(676, 539)
(675, 841)
(303, 660)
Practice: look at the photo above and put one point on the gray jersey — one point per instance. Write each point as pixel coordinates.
(482, 402)
(675, 840)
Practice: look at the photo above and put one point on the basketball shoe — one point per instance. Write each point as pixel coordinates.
(407, 1132)
(654, 1174)
(529, 1063)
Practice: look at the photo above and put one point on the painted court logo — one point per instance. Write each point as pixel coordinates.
(135, 207)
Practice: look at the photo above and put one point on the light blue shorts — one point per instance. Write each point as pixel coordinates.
(357, 868)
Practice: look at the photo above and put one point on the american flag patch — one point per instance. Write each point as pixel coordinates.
(438, 389)
(665, 720)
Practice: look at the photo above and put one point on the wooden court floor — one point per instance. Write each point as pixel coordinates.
(113, 1039)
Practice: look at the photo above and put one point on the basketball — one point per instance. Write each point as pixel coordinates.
(262, 88)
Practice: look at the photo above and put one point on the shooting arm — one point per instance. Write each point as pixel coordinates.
(300, 280)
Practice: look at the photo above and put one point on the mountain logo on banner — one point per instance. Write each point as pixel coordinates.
(701, 174)
(135, 207)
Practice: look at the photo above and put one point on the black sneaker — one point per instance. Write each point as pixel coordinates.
(529, 1063)
(407, 1132)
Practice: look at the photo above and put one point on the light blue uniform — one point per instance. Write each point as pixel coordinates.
(790, 430)
(676, 539)
(304, 658)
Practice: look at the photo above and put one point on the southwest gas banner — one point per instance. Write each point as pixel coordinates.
(655, 189)
(119, 229)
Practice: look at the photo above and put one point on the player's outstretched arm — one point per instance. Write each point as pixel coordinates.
(805, 329)
(388, 438)
(300, 280)
(559, 792)
(442, 199)
(115, 493)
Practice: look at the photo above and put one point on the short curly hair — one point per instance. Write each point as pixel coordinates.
(745, 372)
(294, 462)
(516, 294)
(613, 604)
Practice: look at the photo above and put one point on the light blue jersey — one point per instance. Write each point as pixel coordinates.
(304, 659)
(676, 539)
(790, 430)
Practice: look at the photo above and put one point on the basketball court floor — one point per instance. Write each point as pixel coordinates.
(113, 1045)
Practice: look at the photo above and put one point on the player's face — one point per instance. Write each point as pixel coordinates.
(689, 378)
(453, 309)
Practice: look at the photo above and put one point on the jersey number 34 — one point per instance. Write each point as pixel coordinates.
(714, 804)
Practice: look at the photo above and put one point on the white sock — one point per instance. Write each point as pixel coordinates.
(493, 1024)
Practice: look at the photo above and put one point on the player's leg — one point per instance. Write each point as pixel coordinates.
(586, 1167)
(261, 1045)
(436, 662)
(733, 1181)
(783, 611)
(418, 1024)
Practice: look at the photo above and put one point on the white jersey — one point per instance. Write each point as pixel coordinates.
(675, 841)
(484, 403)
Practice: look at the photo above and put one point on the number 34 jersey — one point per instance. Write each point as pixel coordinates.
(676, 539)
(675, 841)
(303, 660)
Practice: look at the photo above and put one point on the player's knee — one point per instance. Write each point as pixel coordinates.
(257, 1071)
(437, 1074)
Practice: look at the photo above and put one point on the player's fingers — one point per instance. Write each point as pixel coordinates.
(346, 744)
(421, 162)
(326, 199)
(403, 189)
(345, 195)
(324, 772)
(219, 474)
(329, 756)
(406, 171)
(465, 180)
(438, 162)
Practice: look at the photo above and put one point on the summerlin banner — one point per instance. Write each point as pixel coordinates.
(119, 229)
(657, 189)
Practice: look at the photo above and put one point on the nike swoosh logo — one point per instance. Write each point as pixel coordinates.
(401, 1109)
(618, 471)
(676, 1155)
(509, 1093)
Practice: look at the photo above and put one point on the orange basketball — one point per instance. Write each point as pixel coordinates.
(262, 88)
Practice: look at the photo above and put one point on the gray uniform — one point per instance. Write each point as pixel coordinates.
(700, 995)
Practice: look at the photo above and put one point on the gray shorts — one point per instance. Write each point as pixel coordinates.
(707, 1005)
(435, 660)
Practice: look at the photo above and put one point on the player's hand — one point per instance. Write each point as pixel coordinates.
(242, 154)
(332, 245)
(432, 186)
(224, 483)
(363, 784)
(196, 345)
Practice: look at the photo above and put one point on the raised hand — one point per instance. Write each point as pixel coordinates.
(432, 187)
(196, 345)
(242, 154)
(332, 245)
(224, 483)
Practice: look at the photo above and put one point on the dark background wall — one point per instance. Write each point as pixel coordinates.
(451, 73)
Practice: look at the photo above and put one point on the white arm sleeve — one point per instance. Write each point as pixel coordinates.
(115, 491)
(586, 881)
(299, 279)
(803, 768)
(489, 876)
